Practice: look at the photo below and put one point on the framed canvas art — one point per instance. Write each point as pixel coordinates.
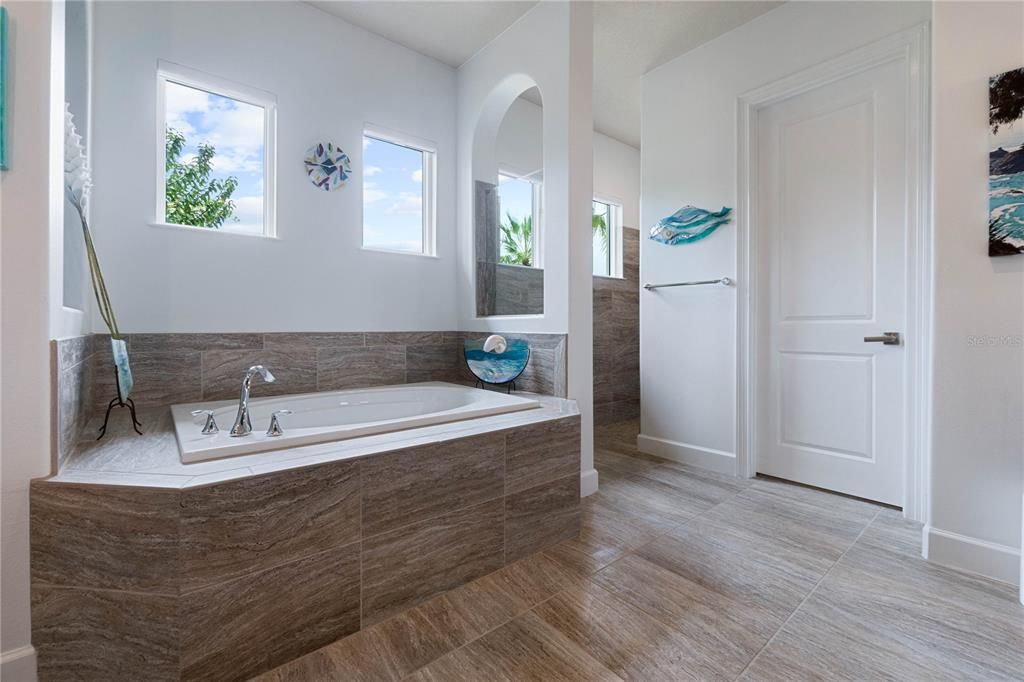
(1006, 164)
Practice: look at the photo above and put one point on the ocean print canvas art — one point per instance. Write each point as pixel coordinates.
(1006, 164)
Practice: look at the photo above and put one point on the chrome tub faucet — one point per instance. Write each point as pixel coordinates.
(243, 424)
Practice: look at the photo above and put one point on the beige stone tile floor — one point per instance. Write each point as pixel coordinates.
(682, 574)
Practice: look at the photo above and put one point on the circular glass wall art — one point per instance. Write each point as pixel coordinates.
(327, 166)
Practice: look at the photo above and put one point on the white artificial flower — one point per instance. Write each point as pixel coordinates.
(77, 177)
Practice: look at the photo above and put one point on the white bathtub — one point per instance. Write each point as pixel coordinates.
(335, 415)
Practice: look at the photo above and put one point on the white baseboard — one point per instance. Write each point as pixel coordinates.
(704, 458)
(588, 482)
(18, 665)
(984, 558)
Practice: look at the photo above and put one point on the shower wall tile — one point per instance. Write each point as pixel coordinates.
(541, 516)
(177, 368)
(161, 378)
(314, 339)
(251, 524)
(294, 371)
(404, 338)
(237, 629)
(109, 537)
(542, 453)
(341, 368)
(409, 565)
(617, 338)
(184, 342)
(412, 485)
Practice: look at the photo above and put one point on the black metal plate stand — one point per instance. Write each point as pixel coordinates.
(120, 402)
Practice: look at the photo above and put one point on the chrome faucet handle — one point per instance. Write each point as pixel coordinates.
(211, 423)
(275, 424)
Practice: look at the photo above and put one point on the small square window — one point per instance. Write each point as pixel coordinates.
(398, 194)
(607, 224)
(216, 153)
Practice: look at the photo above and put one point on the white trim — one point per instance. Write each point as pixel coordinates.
(965, 553)
(18, 664)
(913, 46)
(588, 482)
(685, 453)
(428, 152)
(215, 85)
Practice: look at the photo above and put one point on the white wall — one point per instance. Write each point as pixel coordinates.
(688, 337)
(551, 48)
(29, 190)
(616, 164)
(978, 423)
(329, 78)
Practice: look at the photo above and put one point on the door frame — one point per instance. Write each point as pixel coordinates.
(911, 45)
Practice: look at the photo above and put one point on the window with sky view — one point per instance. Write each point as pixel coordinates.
(393, 190)
(235, 133)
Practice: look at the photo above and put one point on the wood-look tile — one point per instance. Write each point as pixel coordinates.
(161, 379)
(883, 614)
(632, 494)
(83, 634)
(311, 340)
(623, 638)
(197, 342)
(105, 537)
(541, 453)
(719, 627)
(539, 375)
(234, 630)
(408, 566)
(294, 371)
(72, 407)
(344, 368)
(236, 527)
(795, 525)
(751, 570)
(604, 537)
(524, 649)
(412, 485)
(890, 532)
(405, 338)
(541, 516)
(697, 485)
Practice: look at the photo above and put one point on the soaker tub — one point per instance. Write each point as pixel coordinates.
(335, 415)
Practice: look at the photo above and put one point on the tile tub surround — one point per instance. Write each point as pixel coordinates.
(179, 368)
(177, 572)
(617, 338)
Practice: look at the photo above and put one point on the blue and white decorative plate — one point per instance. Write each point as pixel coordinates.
(327, 166)
(497, 368)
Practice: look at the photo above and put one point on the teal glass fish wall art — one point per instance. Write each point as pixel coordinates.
(689, 224)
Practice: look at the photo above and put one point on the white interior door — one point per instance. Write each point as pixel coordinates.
(831, 214)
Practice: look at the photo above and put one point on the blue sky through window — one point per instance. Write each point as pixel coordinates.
(237, 131)
(392, 196)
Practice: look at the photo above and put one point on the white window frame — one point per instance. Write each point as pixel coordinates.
(614, 236)
(537, 184)
(175, 73)
(429, 151)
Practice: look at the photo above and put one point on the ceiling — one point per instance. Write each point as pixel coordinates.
(630, 39)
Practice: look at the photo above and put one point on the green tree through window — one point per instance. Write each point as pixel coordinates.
(192, 196)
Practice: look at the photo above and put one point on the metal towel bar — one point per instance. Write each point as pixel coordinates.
(725, 281)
